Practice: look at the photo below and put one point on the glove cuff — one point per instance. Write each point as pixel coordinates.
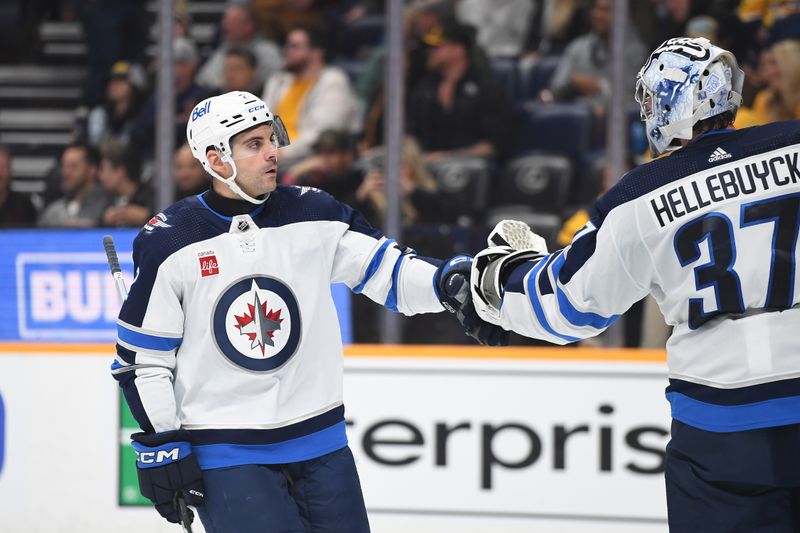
(160, 449)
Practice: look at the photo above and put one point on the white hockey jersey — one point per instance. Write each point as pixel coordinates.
(711, 232)
(230, 330)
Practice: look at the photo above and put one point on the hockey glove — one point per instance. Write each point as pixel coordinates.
(510, 243)
(452, 288)
(168, 469)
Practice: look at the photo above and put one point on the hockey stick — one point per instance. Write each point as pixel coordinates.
(116, 272)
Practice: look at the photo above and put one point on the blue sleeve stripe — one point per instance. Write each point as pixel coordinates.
(516, 280)
(537, 305)
(145, 341)
(573, 315)
(374, 265)
(115, 365)
(391, 298)
(728, 418)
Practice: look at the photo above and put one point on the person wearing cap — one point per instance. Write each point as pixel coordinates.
(113, 119)
(187, 93)
(457, 109)
(229, 350)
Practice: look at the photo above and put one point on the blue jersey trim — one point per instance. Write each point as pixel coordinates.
(391, 298)
(148, 342)
(252, 213)
(727, 418)
(374, 265)
(740, 395)
(268, 436)
(537, 305)
(570, 312)
(291, 451)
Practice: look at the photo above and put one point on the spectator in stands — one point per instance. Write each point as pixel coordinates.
(190, 176)
(239, 30)
(779, 69)
(309, 95)
(132, 201)
(114, 31)
(502, 25)
(421, 203)
(457, 110)
(331, 168)
(239, 71)
(584, 73)
(277, 17)
(16, 208)
(554, 24)
(187, 94)
(112, 121)
(84, 200)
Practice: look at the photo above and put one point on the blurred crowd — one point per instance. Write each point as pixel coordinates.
(505, 103)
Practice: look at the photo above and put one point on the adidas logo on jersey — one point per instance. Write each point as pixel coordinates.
(718, 155)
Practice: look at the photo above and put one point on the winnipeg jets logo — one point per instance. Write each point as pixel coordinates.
(158, 221)
(257, 323)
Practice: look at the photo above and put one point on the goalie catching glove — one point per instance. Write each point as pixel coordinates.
(511, 243)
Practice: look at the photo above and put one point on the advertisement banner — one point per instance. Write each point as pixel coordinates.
(446, 438)
(55, 286)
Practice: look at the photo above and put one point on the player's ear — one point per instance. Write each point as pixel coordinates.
(215, 160)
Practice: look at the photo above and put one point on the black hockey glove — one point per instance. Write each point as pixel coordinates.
(168, 469)
(452, 288)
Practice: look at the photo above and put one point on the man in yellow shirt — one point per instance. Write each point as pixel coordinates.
(310, 95)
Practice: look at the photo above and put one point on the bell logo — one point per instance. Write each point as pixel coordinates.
(198, 112)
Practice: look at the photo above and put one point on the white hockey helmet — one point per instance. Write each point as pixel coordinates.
(685, 81)
(215, 120)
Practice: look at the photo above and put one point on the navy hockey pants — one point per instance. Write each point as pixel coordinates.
(740, 482)
(321, 495)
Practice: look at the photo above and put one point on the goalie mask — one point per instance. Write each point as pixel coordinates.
(683, 82)
(215, 120)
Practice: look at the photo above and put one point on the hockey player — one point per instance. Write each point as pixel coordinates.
(229, 352)
(712, 233)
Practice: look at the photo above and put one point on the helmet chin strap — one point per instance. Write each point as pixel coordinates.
(233, 186)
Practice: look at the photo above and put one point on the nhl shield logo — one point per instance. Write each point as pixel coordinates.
(256, 323)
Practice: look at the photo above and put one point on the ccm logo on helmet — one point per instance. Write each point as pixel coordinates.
(200, 111)
(255, 108)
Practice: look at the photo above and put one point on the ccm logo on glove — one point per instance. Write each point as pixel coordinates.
(147, 458)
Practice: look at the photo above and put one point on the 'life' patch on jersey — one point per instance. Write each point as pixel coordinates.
(209, 266)
(256, 323)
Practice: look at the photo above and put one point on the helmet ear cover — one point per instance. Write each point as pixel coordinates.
(683, 82)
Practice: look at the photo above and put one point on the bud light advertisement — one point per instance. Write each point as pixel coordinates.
(55, 285)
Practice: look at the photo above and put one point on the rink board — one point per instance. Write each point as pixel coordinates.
(447, 439)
